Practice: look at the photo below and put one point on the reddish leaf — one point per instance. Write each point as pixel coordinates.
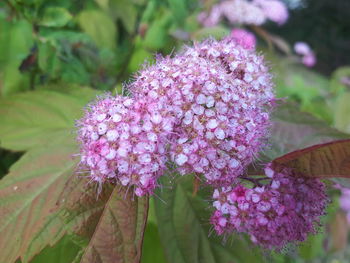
(28, 195)
(321, 161)
(113, 225)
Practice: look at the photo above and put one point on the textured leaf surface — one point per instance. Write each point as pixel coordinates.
(32, 119)
(323, 160)
(183, 223)
(111, 225)
(293, 130)
(28, 196)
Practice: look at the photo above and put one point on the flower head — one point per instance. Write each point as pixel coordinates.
(221, 95)
(123, 140)
(285, 209)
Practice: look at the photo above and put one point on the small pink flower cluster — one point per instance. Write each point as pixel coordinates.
(124, 140)
(221, 95)
(244, 38)
(285, 209)
(304, 50)
(244, 12)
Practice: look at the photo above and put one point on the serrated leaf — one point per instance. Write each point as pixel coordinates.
(319, 161)
(55, 17)
(32, 119)
(100, 27)
(110, 225)
(183, 224)
(28, 201)
(118, 235)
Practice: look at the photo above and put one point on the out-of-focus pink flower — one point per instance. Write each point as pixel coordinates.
(344, 201)
(244, 38)
(211, 19)
(308, 56)
(309, 60)
(302, 48)
(242, 12)
(274, 10)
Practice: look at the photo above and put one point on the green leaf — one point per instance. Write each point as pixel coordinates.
(337, 79)
(293, 130)
(138, 58)
(184, 229)
(110, 226)
(55, 17)
(179, 10)
(16, 40)
(28, 201)
(152, 251)
(33, 119)
(100, 27)
(126, 11)
(64, 251)
(157, 34)
(342, 112)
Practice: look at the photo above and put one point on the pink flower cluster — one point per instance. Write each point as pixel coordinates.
(304, 50)
(244, 12)
(124, 140)
(221, 95)
(283, 210)
(205, 109)
(244, 38)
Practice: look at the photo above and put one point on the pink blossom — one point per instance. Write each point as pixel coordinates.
(122, 141)
(344, 201)
(302, 48)
(244, 38)
(308, 56)
(274, 10)
(286, 209)
(242, 12)
(221, 95)
(309, 60)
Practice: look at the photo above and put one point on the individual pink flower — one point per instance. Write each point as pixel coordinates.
(221, 95)
(244, 38)
(282, 210)
(274, 10)
(123, 141)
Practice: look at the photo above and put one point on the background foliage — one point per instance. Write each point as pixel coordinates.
(57, 55)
